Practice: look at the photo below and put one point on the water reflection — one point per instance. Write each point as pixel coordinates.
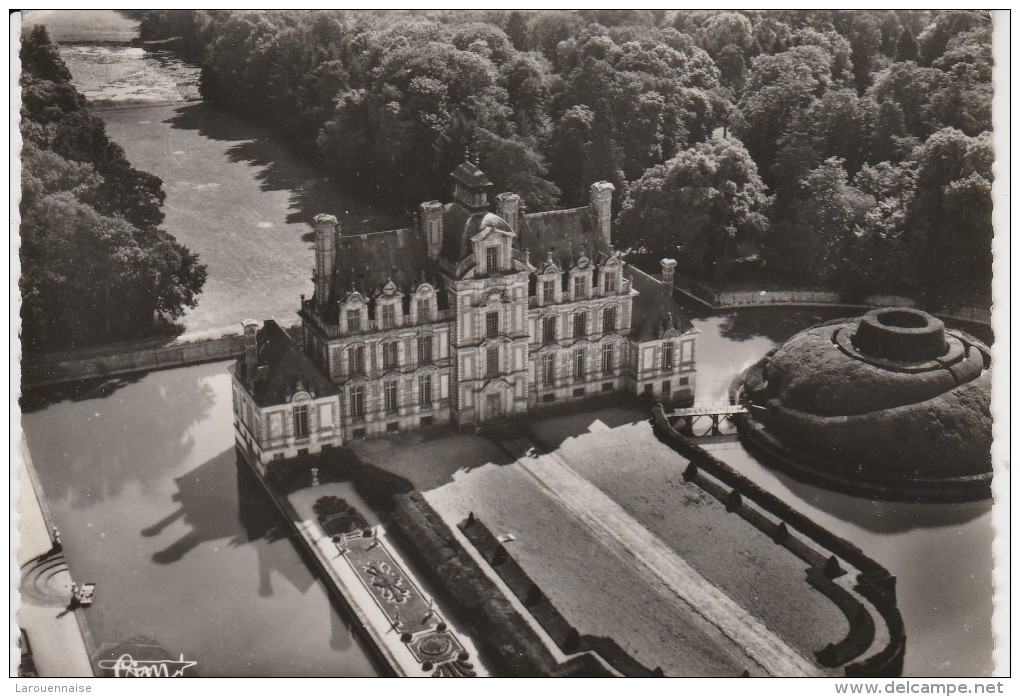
(124, 437)
(187, 554)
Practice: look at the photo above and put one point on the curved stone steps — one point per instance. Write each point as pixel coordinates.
(46, 581)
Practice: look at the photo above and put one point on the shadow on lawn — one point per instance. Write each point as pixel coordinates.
(283, 169)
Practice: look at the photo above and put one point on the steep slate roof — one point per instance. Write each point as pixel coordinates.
(654, 310)
(282, 369)
(565, 233)
(367, 262)
(468, 174)
(460, 224)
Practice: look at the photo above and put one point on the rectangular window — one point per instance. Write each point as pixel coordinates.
(684, 382)
(492, 362)
(667, 387)
(354, 320)
(356, 358)
(424, 350)
(548, 330)
(609, 281)
(389, 355)
(687, 352)
(579, 287)
(357, 402)
(607, 359)
(276, 425)
(667, 356)
(548, 291)
(492, 324)
(424, 390)
(579, 364)
(609, 319)
(648, 388)
(491, 259)
(580, 324)
(424, 310)
(301, 421)
(549, 369)
(388, 316)
(390, 395)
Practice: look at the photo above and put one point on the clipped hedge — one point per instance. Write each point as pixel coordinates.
(507, 641)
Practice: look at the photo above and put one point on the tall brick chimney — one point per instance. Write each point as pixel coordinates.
(325, 257)
(431, 214)
(601, 207)
(508, 208)
(251, 357)
(668, 266)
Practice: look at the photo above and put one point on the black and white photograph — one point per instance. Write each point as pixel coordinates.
(511, 343)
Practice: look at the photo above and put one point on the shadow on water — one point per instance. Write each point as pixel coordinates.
(775, 324)
(37, 398)
(282, 169)
(94, 455)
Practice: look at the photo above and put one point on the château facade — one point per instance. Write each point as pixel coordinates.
(469, 317)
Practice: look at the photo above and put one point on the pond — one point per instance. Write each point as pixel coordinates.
(186, 550)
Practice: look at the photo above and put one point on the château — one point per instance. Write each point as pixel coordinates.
(471, 316)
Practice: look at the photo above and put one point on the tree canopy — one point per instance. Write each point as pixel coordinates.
(95, 265)
(828, 104)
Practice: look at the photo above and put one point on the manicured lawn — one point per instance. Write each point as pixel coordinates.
(241, 200)
(644, 477)
(598, 591)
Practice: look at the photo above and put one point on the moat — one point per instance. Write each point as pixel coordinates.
(141, 478)
(140, 499)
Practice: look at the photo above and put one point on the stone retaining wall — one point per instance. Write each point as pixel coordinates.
(131, 357)
(874, 582)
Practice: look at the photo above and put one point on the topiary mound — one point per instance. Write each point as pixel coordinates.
(890, 405)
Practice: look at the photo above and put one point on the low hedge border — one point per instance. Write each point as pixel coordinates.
(874, 583)
(505, 639)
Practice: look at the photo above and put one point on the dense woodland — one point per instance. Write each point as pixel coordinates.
(95, 266)
(823, 148)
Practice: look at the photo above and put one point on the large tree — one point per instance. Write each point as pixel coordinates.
(707, 205)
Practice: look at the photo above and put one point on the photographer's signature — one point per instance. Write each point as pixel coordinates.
(128, 667)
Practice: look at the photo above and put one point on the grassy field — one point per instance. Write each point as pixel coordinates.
(242, 201)
(645, 478)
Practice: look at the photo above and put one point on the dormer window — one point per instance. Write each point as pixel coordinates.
(610, 282)
(549, 291)
(667, 355)
(579, 287)
(424, 309)
(354, 320)
(492, 259)
(388, 316)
